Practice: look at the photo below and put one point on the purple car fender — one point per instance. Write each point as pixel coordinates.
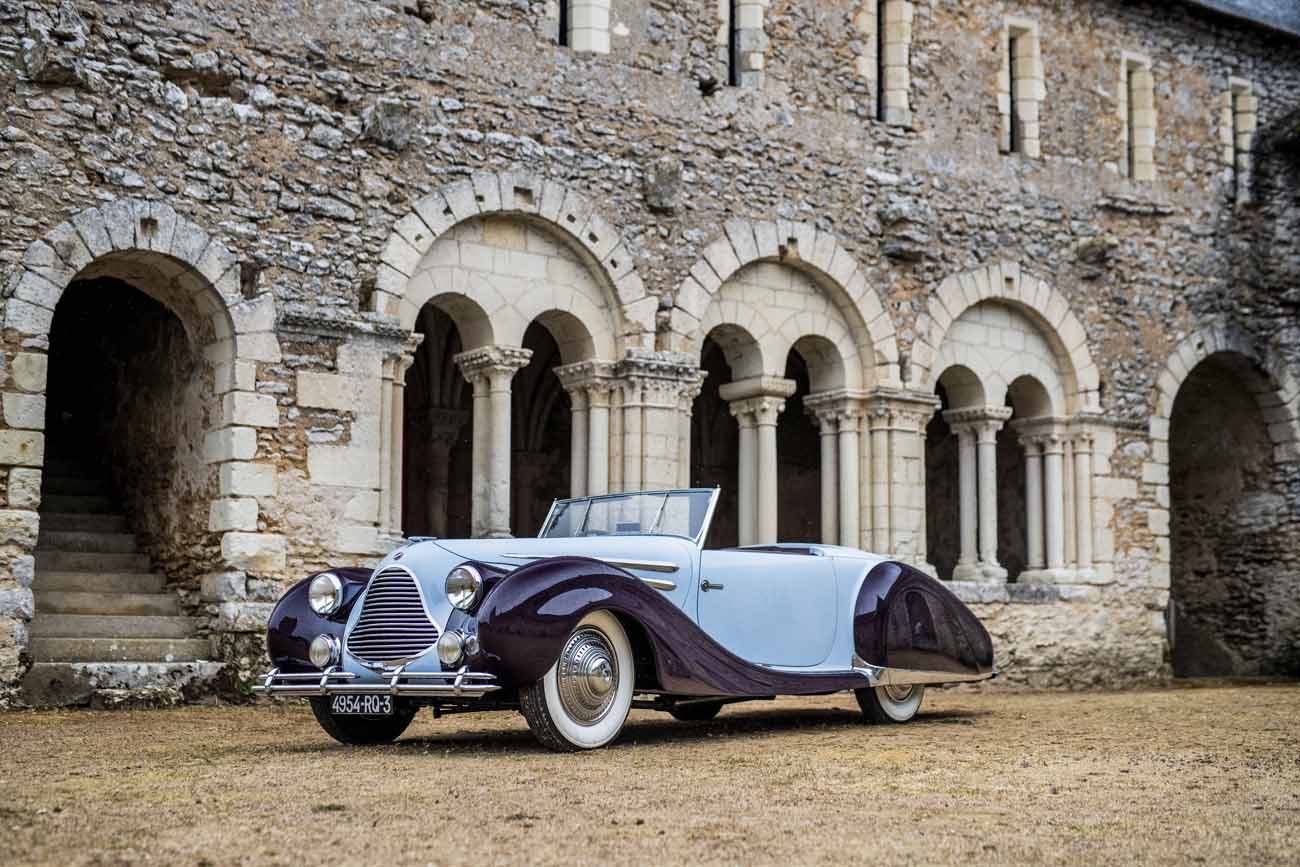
(293, 623)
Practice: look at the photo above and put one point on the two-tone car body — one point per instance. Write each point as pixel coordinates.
(615, 604)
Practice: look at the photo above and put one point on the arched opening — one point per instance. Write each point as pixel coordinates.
(1028, 399)
(798, 460)
(127, 484)
(714, 445)
(541, 426)
(1233, 596)
(438, 434)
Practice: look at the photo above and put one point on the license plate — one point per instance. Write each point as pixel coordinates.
(362, 705)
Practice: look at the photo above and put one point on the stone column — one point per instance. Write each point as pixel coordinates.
(977, 438)
(767, 412)
(632, 446)
(656, 385)
(762, 398)
(491, 369)
(598, 439)
(1083, 501)
(578, 448)
(444, 430)
(849, 423)
(1054, 529)
(393, 409)
(588, 384)
(690, 391)
(747, 465)
(1067, 500)
(1033, 502)
(827, 428)
(880, 507)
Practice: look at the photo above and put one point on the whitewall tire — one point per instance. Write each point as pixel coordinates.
(890, 704)
(583, 700)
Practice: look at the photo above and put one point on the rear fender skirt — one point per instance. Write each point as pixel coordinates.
(904, 619)
(293, 624)
(525, 620)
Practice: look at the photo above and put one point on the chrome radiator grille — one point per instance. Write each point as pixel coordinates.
(393, 624)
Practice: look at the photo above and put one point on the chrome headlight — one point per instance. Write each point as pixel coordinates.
(325, 593)
(324, 650)
(464, 584)
(449, 647)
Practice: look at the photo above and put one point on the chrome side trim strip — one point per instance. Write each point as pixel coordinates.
(643, 565)
(397, 683)
(880, 676)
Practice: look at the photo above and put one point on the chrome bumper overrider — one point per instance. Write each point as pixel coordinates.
(398, 682)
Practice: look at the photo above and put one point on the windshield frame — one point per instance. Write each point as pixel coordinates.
(713, 493)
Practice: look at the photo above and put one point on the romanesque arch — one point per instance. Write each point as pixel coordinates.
(165, 509)
(1225, 458)
(1009, 461)
(530, 277)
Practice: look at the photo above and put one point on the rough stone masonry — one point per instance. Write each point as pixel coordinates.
(1008, 291)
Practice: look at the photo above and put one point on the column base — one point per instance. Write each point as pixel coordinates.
(988, 573)
(1047, 576)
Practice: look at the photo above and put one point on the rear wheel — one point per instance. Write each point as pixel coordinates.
(890, 704)
(696, 711)
(582, 702)
(361, 730)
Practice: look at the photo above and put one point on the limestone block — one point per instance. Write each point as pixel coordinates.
(22, 448)
(242, 479)
(250, 409)
(400, 255)
(69, 247)
(359, 539)
(18, 527)
(343, 466)
(90, 226)
(157, 225)
(1154, 473)
(363, 507)
(119, 221)
(242, 616)
(461, 201)
(30, 371)
(27, 318)
(39, 289)
(263, 346)
(24, 411)
(258, 553)
(232, 514)
(223, 586)
(254, 314)
(436, 214)
(18, 603)
(24, 488)
(332, 391)
(230, 444)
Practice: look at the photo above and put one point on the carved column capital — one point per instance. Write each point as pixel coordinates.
(494, 364)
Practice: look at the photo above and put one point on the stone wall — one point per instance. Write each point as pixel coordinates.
(336, 151)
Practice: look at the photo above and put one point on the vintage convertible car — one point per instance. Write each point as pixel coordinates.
(614, 605)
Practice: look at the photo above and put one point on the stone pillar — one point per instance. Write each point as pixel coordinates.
(598, 439)
(1054, 529)
(1033, 502)
(849, 423)
(632, 446)
(977, 430)
(762, 398)
(444, 430)
(490, 369)
(880, 507)
(656, 386)
(392, 410)
(1083, 501)
(830, 472)
(747, 466)
(1067, 500)
(690, 391)
(578, 448)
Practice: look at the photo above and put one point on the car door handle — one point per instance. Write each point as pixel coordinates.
(706, 585)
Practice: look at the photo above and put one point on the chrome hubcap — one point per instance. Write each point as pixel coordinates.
(587, 673)
(898, 694)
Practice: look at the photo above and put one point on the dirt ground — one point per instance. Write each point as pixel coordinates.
(1181, 775)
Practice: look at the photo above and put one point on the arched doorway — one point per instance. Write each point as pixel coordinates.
(1233, 582)
(714, 446)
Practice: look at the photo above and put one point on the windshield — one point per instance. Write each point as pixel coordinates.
(669, 513)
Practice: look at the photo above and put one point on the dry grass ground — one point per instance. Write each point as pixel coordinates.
(1208, 775)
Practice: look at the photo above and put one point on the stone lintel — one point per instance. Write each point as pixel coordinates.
(757, 387)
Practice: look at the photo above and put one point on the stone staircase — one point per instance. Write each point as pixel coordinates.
(105, 631)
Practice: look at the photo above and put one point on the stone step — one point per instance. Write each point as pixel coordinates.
(90, 561)
(78, 540)
(55, 684)
(74, 485)
(111, 626)
(131, 604)
(106, 582)
(78, 503)
(118, 649)
(83, 522)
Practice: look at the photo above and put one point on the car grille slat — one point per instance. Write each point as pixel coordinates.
(393, 624)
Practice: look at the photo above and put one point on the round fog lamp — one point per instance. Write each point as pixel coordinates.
(449, 647)
(324, 650)
(325, 593)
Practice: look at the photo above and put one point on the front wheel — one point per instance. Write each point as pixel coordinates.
(582, 702)
(890, 704)
(361, 730)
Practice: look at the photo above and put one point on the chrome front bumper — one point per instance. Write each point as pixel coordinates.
(398, 682)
